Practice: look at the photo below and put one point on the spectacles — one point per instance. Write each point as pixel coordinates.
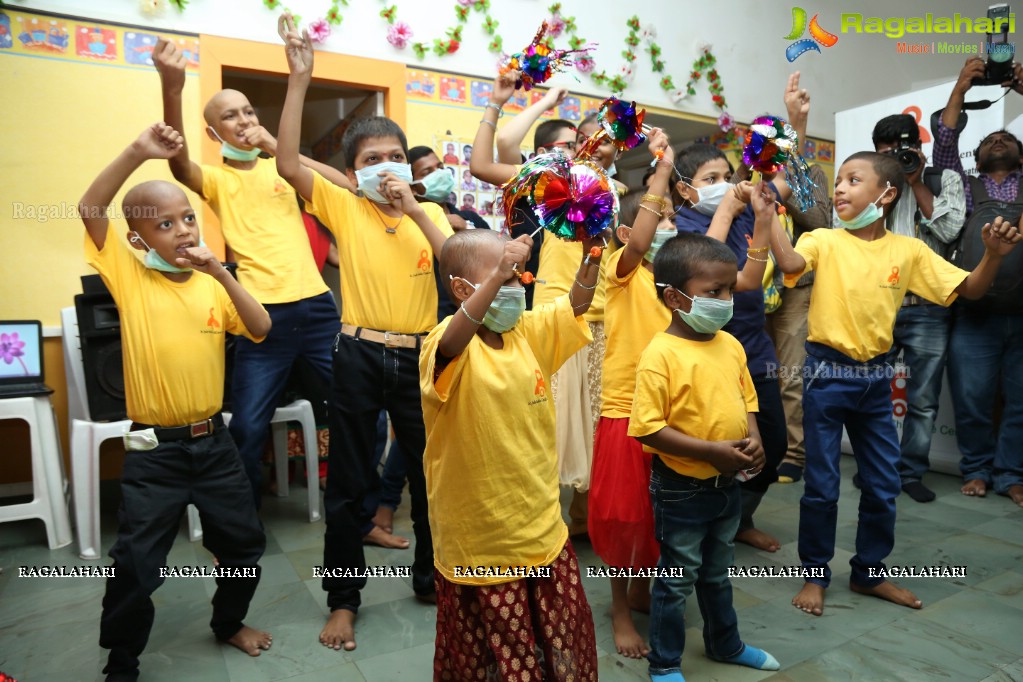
(570, 146)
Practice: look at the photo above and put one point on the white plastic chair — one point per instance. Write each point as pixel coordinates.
(300, 411)
(48, 493)
(87, 436)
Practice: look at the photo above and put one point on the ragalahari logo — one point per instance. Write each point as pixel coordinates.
(818, 36)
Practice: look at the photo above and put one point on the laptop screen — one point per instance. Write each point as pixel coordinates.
(20, 351)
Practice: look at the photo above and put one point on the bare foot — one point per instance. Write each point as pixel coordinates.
(759, 539)
(253, 642)
(889, 592)
(378, 536)
(628, 641)
(974, 488)
(384, 519)
(639, 595)
(810, 599)
(339, 630)
(1016, 493)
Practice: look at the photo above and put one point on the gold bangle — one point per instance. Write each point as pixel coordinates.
(659, 214)
(759, 249)
(759, 260)
(660, 201)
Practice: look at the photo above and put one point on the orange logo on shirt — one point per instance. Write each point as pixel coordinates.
(541, 385)
(212, 322)
(280, 187)
(424, 260)
(894, 277)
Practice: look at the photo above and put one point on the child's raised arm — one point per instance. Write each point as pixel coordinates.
(481, 163)
(581, 294)
(159, 141)
(751, 276)
(300, 63)
(1000, 238)
(650, 211)
(251, 312)
(797, 105)
(170, 64)
(511, 135)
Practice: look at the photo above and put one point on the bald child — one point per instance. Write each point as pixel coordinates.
(175, 305)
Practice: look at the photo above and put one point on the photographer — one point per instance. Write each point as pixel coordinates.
(986, 344)
(932, 210)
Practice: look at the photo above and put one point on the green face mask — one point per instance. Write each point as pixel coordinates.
(437, 186)
(229, 151)
(155, 261)
(506, 309)
(660, 238)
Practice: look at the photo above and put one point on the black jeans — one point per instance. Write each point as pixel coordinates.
(369, 377)
(156, 486)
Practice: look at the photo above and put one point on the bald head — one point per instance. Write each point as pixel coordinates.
(223, 101)
(471, 254)
(149, 200)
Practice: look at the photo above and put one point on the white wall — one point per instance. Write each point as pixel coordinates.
(747, 37)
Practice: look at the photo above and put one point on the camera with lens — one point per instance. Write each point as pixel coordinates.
(907, 156)
(998, 68)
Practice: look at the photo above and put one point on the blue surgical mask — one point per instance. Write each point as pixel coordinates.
(706, 315)
(660, 237)
(868, 216)
(506, 309)
(155, 261)
(709, 198)
(369, 178)
(437, 186)
(229, 151)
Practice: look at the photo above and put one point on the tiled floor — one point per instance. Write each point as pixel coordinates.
(969, 629)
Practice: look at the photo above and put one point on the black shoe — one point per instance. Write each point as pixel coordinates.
(789, 473)
(918, 491)
(857, 481)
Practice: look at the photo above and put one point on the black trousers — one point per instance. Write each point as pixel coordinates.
(771, 423)
(156, 486)
(369, 377)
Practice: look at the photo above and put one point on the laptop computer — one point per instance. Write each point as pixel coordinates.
(21, 359)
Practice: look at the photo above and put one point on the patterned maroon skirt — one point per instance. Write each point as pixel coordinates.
(528, 630)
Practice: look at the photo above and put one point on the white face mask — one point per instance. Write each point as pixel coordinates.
(369, 178)
(709, 198)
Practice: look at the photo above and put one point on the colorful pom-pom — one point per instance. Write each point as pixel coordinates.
(574, 200)
(539, 61)
(771, 144)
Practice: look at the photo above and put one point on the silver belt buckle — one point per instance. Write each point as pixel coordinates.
(199, 429)
(391, 340)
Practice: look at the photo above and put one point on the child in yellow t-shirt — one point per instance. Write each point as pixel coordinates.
(491, 470)
(694, 410)
(386, 241)
(863, 272)
(175, 307)
(264, 230)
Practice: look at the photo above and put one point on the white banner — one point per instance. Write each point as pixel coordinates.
(853, 127)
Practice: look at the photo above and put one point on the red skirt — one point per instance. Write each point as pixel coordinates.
(621, 516)
(527, 630)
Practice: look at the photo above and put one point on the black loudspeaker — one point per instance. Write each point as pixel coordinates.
(99, 329)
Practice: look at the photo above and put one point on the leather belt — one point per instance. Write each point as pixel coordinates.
(913, 299)
(719, 481)
(388, 339)
(199, 429)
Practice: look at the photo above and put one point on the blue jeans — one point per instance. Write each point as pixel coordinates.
(839, 391)
(986, 353)
(387, 491)
(921, 333)
(695, 527)
(303, 328)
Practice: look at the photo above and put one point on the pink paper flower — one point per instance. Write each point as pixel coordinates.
(677, 96)
(466, 3)
(319, 31)
(627, 72)
(398, 34)
(11, 347)
(725, 121)
(584, 63)
(555, 25)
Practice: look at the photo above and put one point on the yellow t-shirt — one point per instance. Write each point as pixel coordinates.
(859, 286)
(387, 280)
(172, 335)
(632, 317)
(259, 215)
(559, 264)
(701, 388)
(595, 313)
(490, 462)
